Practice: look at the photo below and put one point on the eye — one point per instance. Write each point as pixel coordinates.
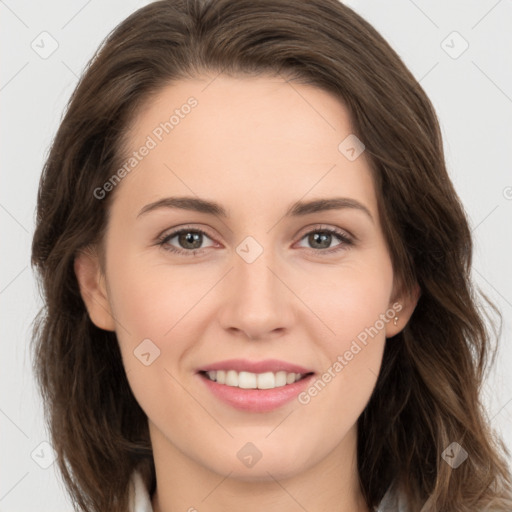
(189, 240)
(320, 240)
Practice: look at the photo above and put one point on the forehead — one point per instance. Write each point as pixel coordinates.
(259, 138)
(244, 111)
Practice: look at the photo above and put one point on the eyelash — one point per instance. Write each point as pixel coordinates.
(345, 241)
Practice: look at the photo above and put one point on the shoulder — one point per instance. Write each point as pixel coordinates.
(139, 500)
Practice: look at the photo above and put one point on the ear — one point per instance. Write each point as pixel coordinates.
(93, 289)
(403, 306)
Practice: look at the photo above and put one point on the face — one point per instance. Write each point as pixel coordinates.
(255, 326)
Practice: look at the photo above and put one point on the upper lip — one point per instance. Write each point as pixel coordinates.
(266, 365)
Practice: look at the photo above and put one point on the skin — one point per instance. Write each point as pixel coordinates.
(255, 146)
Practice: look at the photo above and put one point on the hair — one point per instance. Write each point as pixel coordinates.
(428, 391)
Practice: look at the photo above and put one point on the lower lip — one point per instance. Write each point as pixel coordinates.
(256, 400)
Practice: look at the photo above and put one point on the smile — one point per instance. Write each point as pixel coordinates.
(249, 380)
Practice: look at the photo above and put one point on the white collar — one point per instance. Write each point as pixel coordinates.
(139, 500)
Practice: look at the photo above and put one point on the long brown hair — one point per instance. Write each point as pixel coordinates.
(427, 394)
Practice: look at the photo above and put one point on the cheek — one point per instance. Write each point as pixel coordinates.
(159, 312)
(353, 304)
(145, 308)
(350, 299)
(151, 299)
(352, 355)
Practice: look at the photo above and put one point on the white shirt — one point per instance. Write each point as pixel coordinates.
(140, 500)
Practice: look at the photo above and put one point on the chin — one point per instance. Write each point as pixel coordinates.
(259, 461)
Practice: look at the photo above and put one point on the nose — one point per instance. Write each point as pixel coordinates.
(258, 304)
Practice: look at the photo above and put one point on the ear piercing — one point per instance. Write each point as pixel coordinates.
(395, 320)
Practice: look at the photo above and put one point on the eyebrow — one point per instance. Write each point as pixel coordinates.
(297, 209)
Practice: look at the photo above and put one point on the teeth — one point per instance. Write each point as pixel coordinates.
(290, 378)
(231, 378)
(248, 380)
(281, 379)
(266, 380)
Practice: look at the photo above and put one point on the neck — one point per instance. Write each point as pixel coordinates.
(185, 485)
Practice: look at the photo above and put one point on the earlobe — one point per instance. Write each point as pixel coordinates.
(404, 308)
(93, 290)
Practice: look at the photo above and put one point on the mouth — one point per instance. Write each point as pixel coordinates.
(250, 380)
(251, 386)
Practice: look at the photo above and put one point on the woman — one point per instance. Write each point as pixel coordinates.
(257, 274)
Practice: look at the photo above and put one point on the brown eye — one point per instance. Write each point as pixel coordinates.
(320, 240)
(187, 241)
(190, 239)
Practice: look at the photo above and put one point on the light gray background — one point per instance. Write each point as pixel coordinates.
(471, 93)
